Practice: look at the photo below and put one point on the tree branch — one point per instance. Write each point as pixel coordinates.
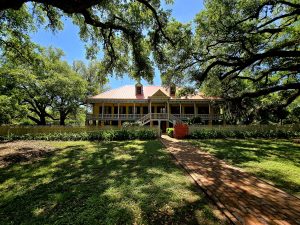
(266, 91)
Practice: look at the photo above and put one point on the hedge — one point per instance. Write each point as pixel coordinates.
(105, 135)
(170, 132)
(206, 134)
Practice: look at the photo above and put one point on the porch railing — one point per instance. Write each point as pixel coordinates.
(153, 116)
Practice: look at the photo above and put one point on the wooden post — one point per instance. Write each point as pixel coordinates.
(112, 114)
(159, 128)
(102, 109)
(168, 109)
(180, 109)
(195, 109)
(118, 110)
(134, 112)
(150, 110)
(210, 115)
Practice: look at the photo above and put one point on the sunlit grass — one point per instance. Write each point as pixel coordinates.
(133, 182)
(277, 161)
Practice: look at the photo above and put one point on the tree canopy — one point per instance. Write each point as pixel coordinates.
(242, 49)
(125, 31)
(247, 51)
(45, 88)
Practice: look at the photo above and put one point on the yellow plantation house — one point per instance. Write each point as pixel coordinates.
(151, 105)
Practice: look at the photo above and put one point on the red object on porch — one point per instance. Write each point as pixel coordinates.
(181, 130)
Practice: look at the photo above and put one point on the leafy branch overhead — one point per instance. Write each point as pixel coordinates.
(126, 31)
(251, 47)
(240, 49)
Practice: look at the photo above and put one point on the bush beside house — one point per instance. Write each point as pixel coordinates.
(241, 134)
(96, 135)
(170, 132)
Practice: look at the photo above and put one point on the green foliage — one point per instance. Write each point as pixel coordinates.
(7, 109)
(77, 135)
(45, 87)
(170, 132)
(245, 51)
(130, 182)
(242, 134)
(126, 32)
(269, 159)
(93, 74)
(131, 124)
(195, 120)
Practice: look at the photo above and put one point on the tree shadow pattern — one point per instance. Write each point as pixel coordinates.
(245, 199)
(101, 183)
(266, 159)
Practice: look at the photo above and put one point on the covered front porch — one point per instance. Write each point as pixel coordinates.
(154, 110)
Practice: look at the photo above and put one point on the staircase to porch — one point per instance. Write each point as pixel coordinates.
(159, 117)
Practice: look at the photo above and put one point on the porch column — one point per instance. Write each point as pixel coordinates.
(150, 109)
(180, 109)
(112, 114)
(210, 115)
(223, 116)
(195, 109)
(168, 110)
(159, 128)
(134, 112)
(119, 121)
(102, 109)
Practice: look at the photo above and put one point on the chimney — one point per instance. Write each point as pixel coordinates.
(172, 90)
(138, 89)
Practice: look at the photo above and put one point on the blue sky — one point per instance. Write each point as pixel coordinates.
(68, 39)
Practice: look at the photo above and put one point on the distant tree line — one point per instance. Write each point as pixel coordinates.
(46, 89)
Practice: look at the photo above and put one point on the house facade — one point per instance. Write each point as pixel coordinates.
(151, 105)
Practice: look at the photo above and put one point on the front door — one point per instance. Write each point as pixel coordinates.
(163, 126)
(161, 109)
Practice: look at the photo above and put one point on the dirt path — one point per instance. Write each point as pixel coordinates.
(22, 151)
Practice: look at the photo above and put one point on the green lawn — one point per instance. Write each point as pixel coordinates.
(277, 161)
(133, 182)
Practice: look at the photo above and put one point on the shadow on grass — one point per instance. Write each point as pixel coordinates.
(101, 183)
(248, 199)
(273, 160)
(241, 151)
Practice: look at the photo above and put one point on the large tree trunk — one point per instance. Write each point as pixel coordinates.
(42, 119)
(62, 118)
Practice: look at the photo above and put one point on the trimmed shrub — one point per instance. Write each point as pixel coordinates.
(100, 135)
(211, 133)
(170, 132)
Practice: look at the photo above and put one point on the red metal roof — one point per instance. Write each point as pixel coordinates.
(128, 92)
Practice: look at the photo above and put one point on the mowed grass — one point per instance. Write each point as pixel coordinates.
(131, 182)
(277, 161)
